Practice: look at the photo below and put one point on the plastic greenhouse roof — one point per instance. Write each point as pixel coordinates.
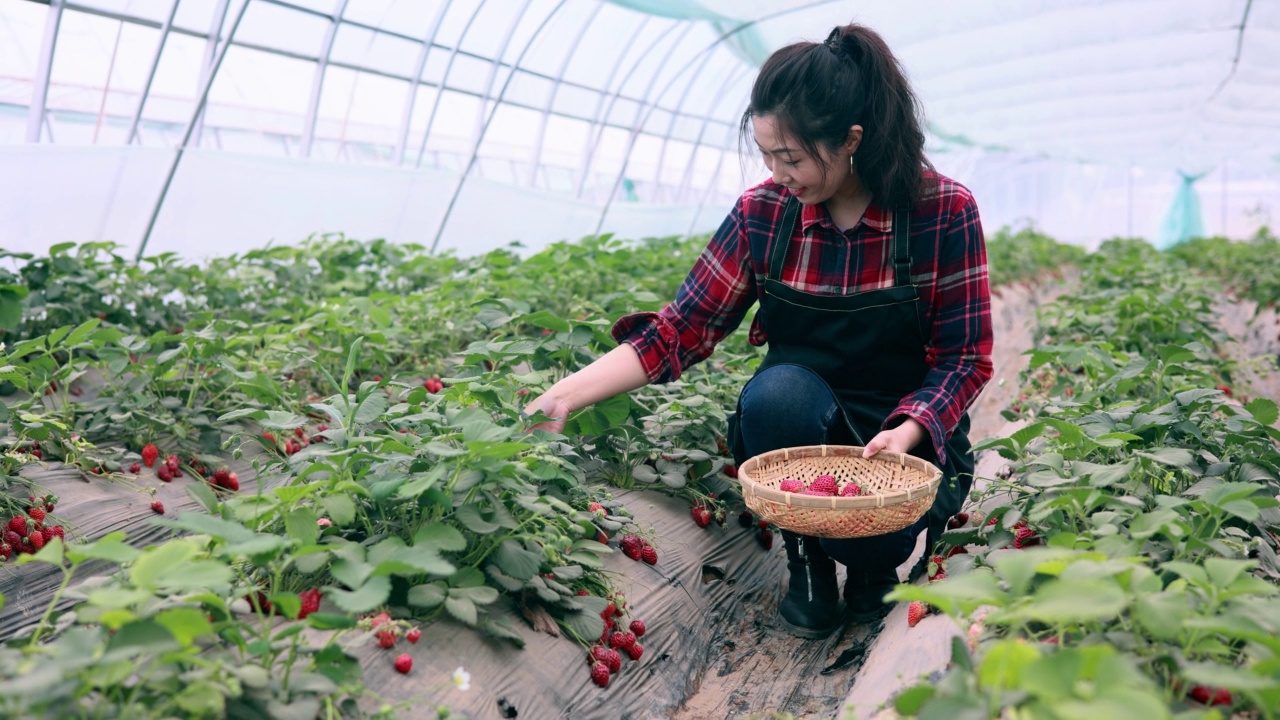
(593, 98)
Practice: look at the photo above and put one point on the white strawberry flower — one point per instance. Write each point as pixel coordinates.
(462, 679)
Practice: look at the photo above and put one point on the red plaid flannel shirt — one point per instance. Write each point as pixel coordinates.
(949, 264)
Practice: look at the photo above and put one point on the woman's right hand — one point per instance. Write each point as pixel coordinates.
(553, 407)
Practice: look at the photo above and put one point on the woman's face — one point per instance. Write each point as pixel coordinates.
(801, 173)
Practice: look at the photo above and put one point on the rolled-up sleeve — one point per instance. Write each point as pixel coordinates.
(710, 304)
(961, 332)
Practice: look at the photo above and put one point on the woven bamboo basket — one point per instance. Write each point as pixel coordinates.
(897, 490)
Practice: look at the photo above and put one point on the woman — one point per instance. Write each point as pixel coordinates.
(870, 270)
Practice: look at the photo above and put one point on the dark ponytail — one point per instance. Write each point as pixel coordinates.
(816, 91)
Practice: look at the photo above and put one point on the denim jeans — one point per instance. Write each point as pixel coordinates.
(789, 405)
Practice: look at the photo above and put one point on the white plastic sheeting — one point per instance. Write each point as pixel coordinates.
(552, 118)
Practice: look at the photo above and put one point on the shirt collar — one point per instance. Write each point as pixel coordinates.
(876, 218)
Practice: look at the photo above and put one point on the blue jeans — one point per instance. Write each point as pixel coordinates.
(789, 405)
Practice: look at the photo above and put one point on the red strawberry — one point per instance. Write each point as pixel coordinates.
(6, 551)
(149, 454)
(940, 575)
(617, 640)
(413, 635)
(12, 538)
(37, 514)
(164, 473)
(632, 546)
(595, 507)
(1225, 391)
(49, 502)
(614, 660)
(310, 602)
(762, 524)
(220, 475)
(608, 611)
(766, 539)
(386, 638)
(824, 484)
(957, 550)
(57, 531)
(649, 554)
(48, 534)
(637, 627)
(172, 463)
(135, 468)
(791, 485)
(19, 524)
(958, 520)
(851, 490)
(935, 565)
(731, 470)
(1025, 537)
(36, 539)
(1211, 696)
(635, 651)
(157, 507)
(916, 612)
(600, 674)
(703, 517)
(269, 437)
(628, 639)
(404, 664)
(599, 654)
(300, 433)
(232, 482)
(602, 538)
(380, 619)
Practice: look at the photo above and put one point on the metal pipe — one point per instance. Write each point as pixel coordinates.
(106, 86)
(428, 40)
(151, 75)
(317, 80)
(485, 128)
(191, 126)
(44, 68)
(444, 80)
(666, 138)
(218, 21)
(493, 73)
(702, 131)
(605, 111)
(540, 135)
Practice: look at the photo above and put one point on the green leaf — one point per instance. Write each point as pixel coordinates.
(1059, 601)
(1264, 410)
(461, 609)
(502, 629)
(427, 596)
(330, 621)
(1175, 354)
(185, 623)
(370, 595)
(111, 548)
(301, 525)
(350, 572)
(341, 509)
(479, 594)
(1003, 663)
(215, 527)
(441, 537)
(1215, 675)
(469, 516)
(1175, 457)
(148, 570)
(1162, 614)
(516, 561)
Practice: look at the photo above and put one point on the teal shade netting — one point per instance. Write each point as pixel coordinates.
(745, 43)
(1183, 221)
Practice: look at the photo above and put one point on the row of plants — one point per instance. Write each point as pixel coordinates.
(1249, 269)
(1128, 566)
(378, 391)
(1027, 255)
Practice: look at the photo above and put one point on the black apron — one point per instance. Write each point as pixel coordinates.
(869, 348)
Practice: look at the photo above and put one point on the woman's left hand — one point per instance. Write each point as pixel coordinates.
(900, 439)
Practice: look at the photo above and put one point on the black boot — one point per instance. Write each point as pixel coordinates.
(811, 607)
(864, 593)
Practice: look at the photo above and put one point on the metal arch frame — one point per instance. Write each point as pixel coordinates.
(481, 122)
(702, 131)
(706, 193)
(444, 81)
(212, 42)
(598, 118)
(44, 70)
(428, 41)
(675, 114)
(191, 126)
(535, 160)
(602, 118)
(604, 211)
(497, 103)
(317, 80)
(151, 75)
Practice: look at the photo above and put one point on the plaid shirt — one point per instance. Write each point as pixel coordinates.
(949, 264)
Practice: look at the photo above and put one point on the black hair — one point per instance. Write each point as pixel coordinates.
(817, 91)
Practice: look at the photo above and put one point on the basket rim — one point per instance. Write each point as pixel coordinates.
(751, 488)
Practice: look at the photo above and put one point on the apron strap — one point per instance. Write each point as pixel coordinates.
(901, 247)
(783, 240)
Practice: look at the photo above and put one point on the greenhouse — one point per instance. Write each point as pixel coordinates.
(639, 358)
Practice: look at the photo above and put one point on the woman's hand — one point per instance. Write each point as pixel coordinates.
(900, 439)
(553, 407)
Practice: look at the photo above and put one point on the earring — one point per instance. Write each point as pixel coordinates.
(850, 164)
